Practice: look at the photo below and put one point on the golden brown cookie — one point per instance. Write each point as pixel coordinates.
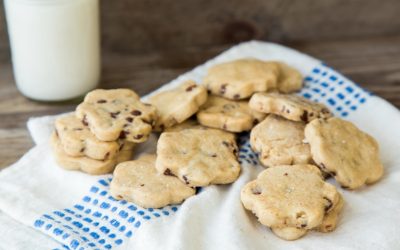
(77, 140)
(117, 114)
(279, 141)
(138, 182)
(241, 78)
(344, 151)
(176, 105)
(292, 107)
(199, 157)
(86, 164)
(291, 200)
(232, 116)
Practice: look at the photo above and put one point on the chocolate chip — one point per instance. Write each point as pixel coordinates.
(325, 111)
(185, 179)
(288, 111)
(129, 119)
(125, 125)
(234, 151)
(222, 90)
(214, 155)
(122, 135)
(237, 96)
(137, 137)
(225, 143)
(255, 121)
(136, 112)
(84, 121)
(121, 146)
(303, 225)
(147, 104)
(285, 174)
(209, 92)
(304, 116)
(142, 185)
(328, 205)
(114, 114)
(168, 172)
(106, 155)
(190, 88)
(256, 190)
(77, 129)
(322, 166)
(150, 122)
(345, 187)
(101, 101)
(82, 149)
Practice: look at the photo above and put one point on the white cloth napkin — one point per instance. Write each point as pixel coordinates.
(76, 210)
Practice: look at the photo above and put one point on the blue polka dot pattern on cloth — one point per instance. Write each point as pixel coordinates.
(98, 221)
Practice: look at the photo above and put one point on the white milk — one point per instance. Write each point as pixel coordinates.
(55, 47)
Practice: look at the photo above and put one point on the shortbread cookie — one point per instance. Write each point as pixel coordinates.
(344, 151)
(279, 141)
(176, 105)
(233, 116)
(199, 157)
(190, 123)
(290, 199)
(86, 164)
(117, 113)
(289, 80)
(241, 78)
(292, 107)
(138, 182)
(77, 140)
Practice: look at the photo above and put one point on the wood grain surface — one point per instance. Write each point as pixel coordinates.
(374, 63)
(142, 26)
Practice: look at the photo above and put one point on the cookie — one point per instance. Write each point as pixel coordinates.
(190, 123)
(138, 182)
(77, 140)
(241, 78)
(279, 141)
(344, 151)
(289, 80)
(290, 199)
(292, 107)
(86, 164)
(176, 105)
(199, 157)
(232, 116)
(117, 114)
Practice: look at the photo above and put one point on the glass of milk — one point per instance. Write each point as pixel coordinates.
(55, 47)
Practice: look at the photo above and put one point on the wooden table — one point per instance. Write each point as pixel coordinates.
(373, 63)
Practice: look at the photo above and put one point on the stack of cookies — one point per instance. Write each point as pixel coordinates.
(102, 132)
(298, 141)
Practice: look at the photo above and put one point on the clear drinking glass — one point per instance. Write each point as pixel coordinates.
(55, 47)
